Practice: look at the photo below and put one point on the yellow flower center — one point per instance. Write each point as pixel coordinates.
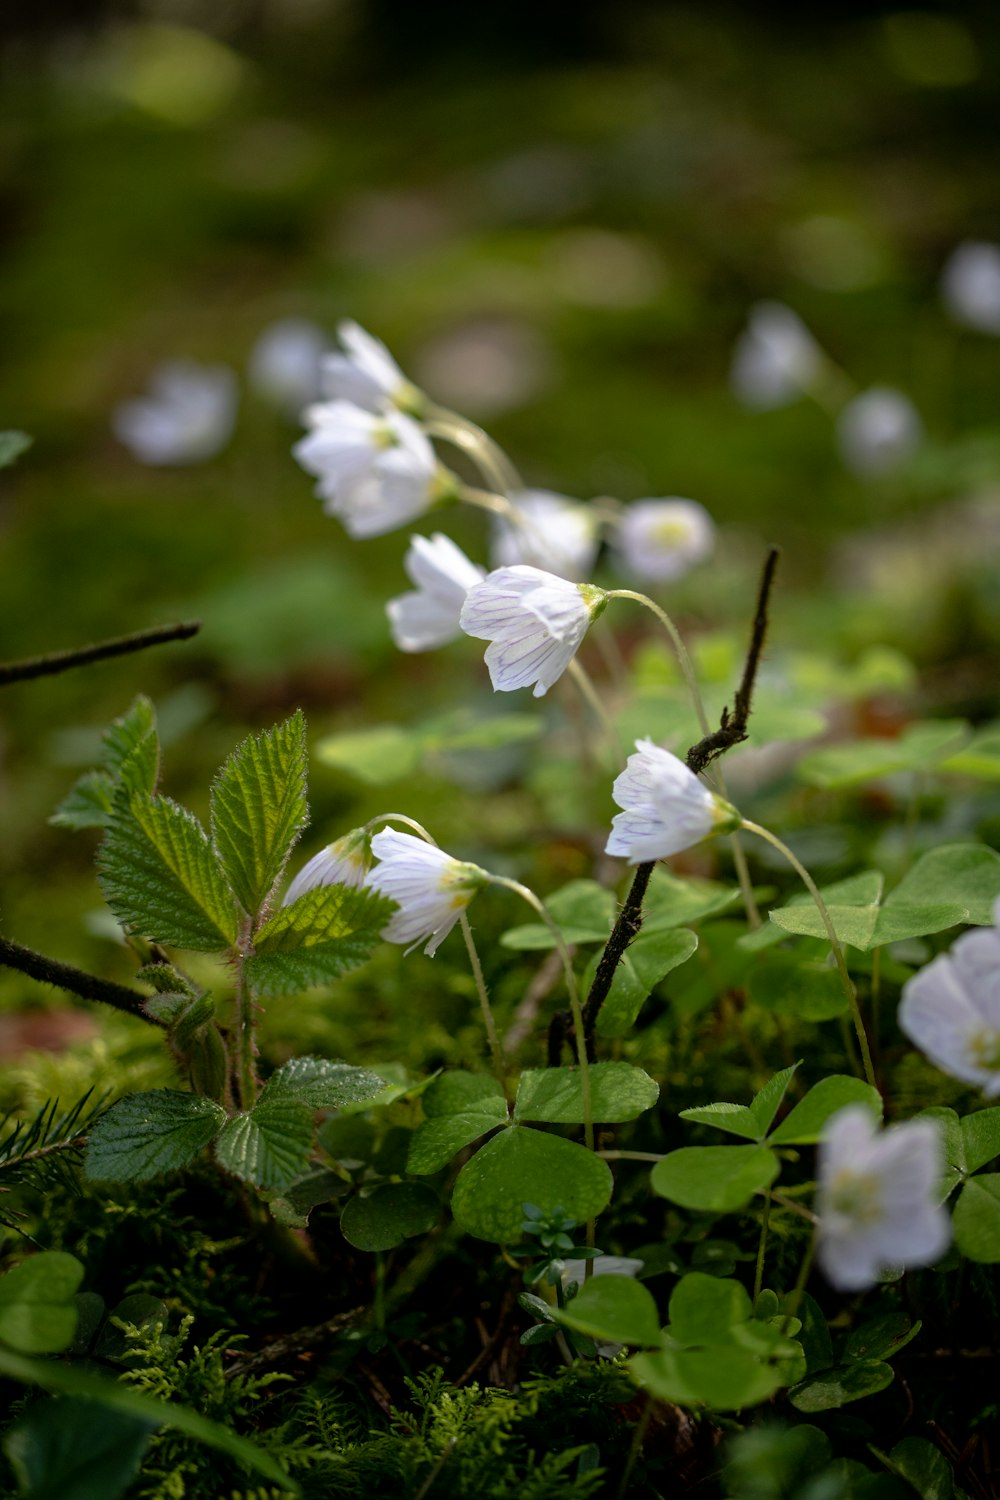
(857, 1195)
(671, 533)
(984, 1048)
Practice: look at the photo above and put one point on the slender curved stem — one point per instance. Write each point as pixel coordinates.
(800, 1285)
(492, 1035)
(681, 651)
(838, 952)
(488, 456)
(758, 1275)
(593, 699)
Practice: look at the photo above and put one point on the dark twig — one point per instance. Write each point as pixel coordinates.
(122, 645)
(65, 977)
(731, 731)
(302, 1341)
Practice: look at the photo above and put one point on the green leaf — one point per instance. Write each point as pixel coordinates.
(131, 747)
(980, 1138)
(881, 1337)
(378, 756)
(583, 910)
(703, 1309)
(714, 1179)
(146, 1134)
(269, 1146)
(460, 1107)
(921, 747)
(457, 1092)
(790, 985)
(980, 757)
(321, 1084)
(38, 1310)
(675, 901)
(68, 1448)
(613, 1309)
(950, 1133)
(316, 939)
(162, 878)
(803, 1125)
(259, 809)
(391, 1214)
(852, 905)
(519, 1166)
(752, 1121)
(721, 1377)
(643, 965)
(12, 445)
(924, 1466)
(967, 874)
(766, 1103)
(464, 729)
(88, 803)
(838, 1386)
(976, 1221)
(618, 1092)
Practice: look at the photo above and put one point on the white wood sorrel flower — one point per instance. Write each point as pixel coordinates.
(375, 471)
(775, 359)
(660, 540)
(430, 888)
(365, 373)
(877, 1198)
(536, 622)
(665, 807)
(344, 862)
(951, 1009)
(548, 531)
(428, 617)
(187, 416)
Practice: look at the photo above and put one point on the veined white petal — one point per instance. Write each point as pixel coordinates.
(428, 617)
(430, 888)
(375, 472)
(344, 862)
(665, 808)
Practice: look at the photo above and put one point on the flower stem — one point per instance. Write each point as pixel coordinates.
(680, 650)
(800, 1285)
(592, 698)
(245, 1043)
(838, 952)
(488, 456)
(758, 1275)
(492, 1035)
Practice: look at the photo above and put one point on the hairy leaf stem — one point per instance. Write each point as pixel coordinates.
(246, 1047)
(122, 645)
(75, 981)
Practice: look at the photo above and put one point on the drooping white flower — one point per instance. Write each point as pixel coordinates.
(665, 807)
(535, 621)
(660, 540)
(365, 373)
(603, 1265)
(428, 617)
(344, 862)
(549, 532)
(286, 362)
(878, 430)
(951, 1009)
(775, 359)
(375, 471)
(430, 888)
(188, 415)
(970, 285)
(877, 1198)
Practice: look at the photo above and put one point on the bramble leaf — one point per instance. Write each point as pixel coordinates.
(146, 1134)
(259, 809)
(317, 938)
(269, 1146)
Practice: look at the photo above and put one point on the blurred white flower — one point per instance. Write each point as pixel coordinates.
(430, 888)
(666, 807)
(659, 540)
(550, 532)
(878, 430)
(775, 359)
(375, 471)
(970, 285)
(877, 1198)
(428, 617)
(366, 374)
(285, 364)
(535, 621)
(603, 1265)
(344, 862)
(188, 415)
(951, 1009)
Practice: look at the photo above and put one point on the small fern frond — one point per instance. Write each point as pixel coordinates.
(43, 1151)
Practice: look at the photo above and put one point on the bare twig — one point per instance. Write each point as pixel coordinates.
(300, 1342)
(122, 645)
(75, 981)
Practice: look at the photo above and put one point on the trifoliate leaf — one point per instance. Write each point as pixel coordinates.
(259, 809)
(317, 938)
(582, 910)
(521, 1166)
(460, 1107)
(390, 1215)
(37, 1303)
(614, 1309)
(76, 1449)
(980, 1138)
(269, 1146)
(654, 954)
(146, 1134)
(803, 1125)
(714, 1179)
(921, 747)
(977, 1219)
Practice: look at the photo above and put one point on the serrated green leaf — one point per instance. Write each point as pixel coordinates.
(614, 1309)
(843, 1383)
(391, 1214)
(618, 1092)
(87, 804)
(582, 910)
(12, 445)
(317, 938)
(377, 756)
(980, 1138)
(146, 1134)
(921, 747)
(803, 1125)
(737, 1119)
(38, 1311)
(162, 878)
(519, 1166)
(321, 1084)
(134, 731)
(75, 1449)
(976, 1222)
(654, 954)
(269, 1146)
(714, 1179)
(259, 809)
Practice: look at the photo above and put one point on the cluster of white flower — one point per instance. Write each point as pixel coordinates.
(951, 1009)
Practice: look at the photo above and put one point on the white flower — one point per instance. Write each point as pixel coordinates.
(536, 622)
(666, 807)
(660, 540)
(443, 574)
(285, 364)
(344, 862)
(775, 359)
(603, 1265)
(877, 1198)
(366, 374)
(375, 472)
(549, 532)
(188, 415)
(970, 285)
(878, 430)
(951, 1009)
(430, 888)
